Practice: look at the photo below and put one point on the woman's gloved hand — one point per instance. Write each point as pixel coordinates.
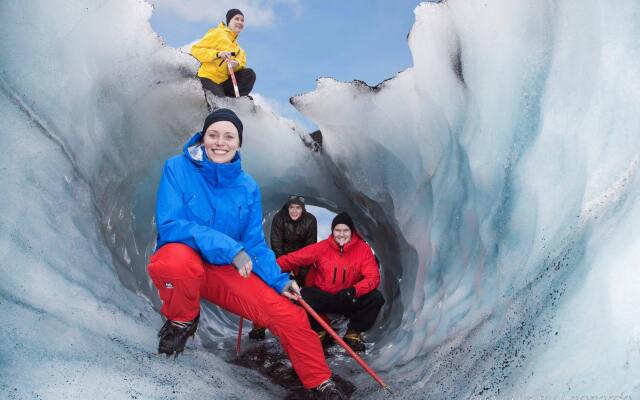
(291, 290)
(243, 263)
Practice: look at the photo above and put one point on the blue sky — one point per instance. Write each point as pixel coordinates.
(290, 43)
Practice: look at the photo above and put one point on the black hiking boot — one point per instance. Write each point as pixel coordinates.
(328, 390)
(257, 333)
(354, 340)
(173, 336)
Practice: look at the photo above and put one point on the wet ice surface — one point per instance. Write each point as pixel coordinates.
(496, 180)
(266, 358)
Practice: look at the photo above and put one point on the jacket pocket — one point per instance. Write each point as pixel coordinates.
(242, 217)
(200, 212)
(232, 214)
(227, 223)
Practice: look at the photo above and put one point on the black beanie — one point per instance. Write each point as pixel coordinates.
(294, 199)
(223, 114)
(232, 13)
(342, 218)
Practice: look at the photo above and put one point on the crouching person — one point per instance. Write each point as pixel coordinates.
(218, 47)
(211, 246)
(292, 228)
(345, 279)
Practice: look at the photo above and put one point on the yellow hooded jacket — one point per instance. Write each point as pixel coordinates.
(206, 51)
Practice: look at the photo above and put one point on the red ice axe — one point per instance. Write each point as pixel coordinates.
(237, 92)
(338, 339)
(239, 339)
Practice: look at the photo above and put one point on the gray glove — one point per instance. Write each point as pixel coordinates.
(240, 260)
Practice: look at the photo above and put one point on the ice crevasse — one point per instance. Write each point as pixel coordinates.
(497, 179)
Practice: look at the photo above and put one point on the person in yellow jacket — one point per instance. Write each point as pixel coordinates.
(216, 47)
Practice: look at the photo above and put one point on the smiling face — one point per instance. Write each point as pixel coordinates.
(342, 234)
(221, 142)
(295, 211)
(236, 23)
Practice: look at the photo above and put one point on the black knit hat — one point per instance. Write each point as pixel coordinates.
(342, 218)
(223, 114)
(232, 13)
(295, 199)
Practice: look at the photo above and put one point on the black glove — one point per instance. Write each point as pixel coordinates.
(347, 295)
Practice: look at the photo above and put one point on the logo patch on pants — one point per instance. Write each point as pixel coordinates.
(168, 285)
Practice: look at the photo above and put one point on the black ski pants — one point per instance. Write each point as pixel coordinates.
(245, 78)
(362, 311)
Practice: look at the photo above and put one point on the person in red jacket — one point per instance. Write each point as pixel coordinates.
(345, 279)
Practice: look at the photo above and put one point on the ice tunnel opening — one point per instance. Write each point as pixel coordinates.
(325, 211)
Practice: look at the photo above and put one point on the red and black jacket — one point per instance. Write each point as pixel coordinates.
(337, 268)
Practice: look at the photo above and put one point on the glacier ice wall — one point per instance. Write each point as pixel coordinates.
(495, 178)
(507, 157)
(90, 103)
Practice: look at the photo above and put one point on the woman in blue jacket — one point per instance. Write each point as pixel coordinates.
(211, 245)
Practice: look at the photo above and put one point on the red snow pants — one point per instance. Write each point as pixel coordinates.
(183, 278)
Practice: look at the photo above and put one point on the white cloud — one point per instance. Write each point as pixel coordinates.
(256, 12)
(284, 111)
(275, 107)
(269, 104)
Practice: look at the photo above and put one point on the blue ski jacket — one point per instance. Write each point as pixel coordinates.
(215, 209)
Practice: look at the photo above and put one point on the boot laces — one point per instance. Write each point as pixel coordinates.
(169, 324)
(326, 385)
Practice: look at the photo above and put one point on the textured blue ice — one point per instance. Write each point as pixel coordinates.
(496, 178)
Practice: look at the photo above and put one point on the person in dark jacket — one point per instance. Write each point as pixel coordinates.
(292, 228)
(211, 246)
(345, 279)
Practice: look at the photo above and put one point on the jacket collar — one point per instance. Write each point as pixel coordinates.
(216, 174)
(228, 31)
(355, 238)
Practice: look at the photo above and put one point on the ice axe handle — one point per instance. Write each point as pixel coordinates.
(341, 342)
(233, 79)
(239, 338)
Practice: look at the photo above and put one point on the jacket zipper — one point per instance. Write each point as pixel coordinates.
(335, 269)
(344, 273)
